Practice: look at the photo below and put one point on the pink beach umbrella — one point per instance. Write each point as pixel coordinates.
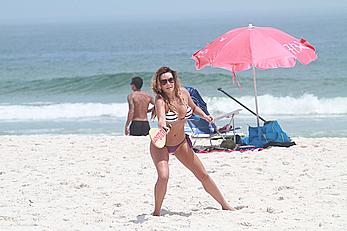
(254, 47)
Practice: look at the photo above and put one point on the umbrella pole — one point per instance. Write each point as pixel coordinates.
(255, 94)
(220, 89)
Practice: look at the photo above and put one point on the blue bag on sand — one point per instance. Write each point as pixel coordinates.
(271, 134)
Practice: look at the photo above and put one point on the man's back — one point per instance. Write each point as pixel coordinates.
(141, 102)
(138, 107)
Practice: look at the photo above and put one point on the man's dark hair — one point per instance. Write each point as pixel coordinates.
(137, 81)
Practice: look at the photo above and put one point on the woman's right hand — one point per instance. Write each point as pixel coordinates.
(166, 127)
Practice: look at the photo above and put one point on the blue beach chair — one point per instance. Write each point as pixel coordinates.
(199, 128)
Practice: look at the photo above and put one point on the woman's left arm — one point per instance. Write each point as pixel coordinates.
(197, 110)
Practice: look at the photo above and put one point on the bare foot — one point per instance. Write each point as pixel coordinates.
(157, 214)
(228, 207)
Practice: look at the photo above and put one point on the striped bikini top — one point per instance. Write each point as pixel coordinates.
(173, 116)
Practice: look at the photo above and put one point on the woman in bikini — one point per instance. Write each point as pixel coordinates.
(173, 106)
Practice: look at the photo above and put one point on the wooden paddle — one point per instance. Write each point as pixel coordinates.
(158, 136)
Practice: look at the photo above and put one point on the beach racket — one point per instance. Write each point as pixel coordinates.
(158, 136)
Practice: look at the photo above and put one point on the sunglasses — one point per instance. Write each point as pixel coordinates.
(165, 81)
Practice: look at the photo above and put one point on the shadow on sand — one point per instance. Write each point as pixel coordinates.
(140, 219)
(167, 212)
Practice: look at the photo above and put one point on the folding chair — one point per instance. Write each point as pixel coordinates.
(202, 129)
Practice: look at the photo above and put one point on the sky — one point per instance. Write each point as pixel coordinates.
(100, 10)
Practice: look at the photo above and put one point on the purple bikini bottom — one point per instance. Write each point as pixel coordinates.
(172, 149)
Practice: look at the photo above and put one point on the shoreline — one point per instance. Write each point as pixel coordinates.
(106, 182)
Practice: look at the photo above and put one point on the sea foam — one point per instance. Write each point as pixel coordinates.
(44, 111)
(306, 104)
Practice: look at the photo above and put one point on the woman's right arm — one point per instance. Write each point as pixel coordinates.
(160, 110)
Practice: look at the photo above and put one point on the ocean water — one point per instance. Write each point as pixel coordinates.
(74, 78)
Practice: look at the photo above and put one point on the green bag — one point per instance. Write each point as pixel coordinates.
(228, 144)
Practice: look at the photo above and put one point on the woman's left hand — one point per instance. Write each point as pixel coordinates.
(209, 118)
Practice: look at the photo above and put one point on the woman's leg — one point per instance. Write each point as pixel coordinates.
(189, 159)
(160, 159)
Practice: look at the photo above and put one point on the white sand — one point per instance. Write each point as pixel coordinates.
(106, 183)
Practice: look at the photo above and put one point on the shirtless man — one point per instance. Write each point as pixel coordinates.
(138, 107)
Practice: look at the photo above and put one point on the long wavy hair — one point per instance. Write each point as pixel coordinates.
(156, 86)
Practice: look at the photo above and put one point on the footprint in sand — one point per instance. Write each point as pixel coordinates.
(245, 223)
